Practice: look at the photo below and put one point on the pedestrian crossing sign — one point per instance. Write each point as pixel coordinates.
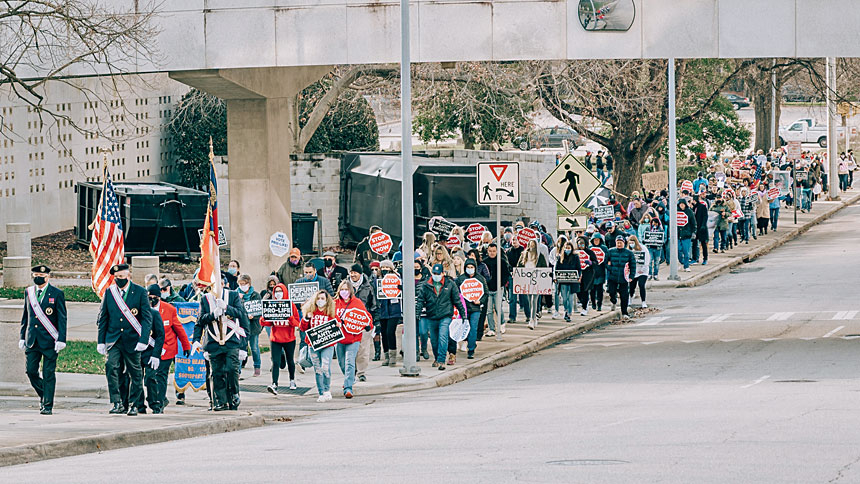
(571, 184)
(498, 183)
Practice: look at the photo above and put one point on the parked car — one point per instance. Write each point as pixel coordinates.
(800, 95)
(549, 138)
(807, 130)
(737, 101)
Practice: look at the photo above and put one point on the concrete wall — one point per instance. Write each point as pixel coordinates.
(223, 34)
(315, 184)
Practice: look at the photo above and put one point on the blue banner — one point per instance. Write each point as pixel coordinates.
(189, 372)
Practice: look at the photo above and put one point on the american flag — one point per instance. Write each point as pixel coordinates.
(107, 244)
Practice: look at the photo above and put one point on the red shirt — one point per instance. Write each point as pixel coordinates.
(283, 331)
(316, 318)
(342, 306)
(173, 330)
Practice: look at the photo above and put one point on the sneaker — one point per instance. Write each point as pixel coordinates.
(504, 330)
(490, 333)
(450, 359)
(567, 318)
(257, 372)
(705, 263)
(321, 399)
(470, 356)
(435, 364)
(644, 305)
(441, 367)
(293, 385)
(531, 325)
(555, 315)
(657, 279)
(584, 312)
(625, 317)
(362, 378)
(327, 396)
(347, 394)
(687, 270)
(301, 368)
(273, 389)
(613, 307)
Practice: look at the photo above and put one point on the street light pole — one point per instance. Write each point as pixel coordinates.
(832, 157)
(673, 179)
(410, 365)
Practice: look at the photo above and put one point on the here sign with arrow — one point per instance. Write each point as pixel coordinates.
(498, 183)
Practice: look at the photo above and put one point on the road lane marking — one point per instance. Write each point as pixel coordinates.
(729, 340)
(691, 341)
(780, 316)
(653, 321)
(834, 331)
(840, 315)
(651, 342)
(716, 318)
(757, 381)
(768, 339)
(848, 315)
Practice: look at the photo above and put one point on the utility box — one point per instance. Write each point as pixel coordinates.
(157, 218)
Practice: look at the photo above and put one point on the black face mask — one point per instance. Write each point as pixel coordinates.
(294, 264)
(121, 282)
(153, 301)
(417, 272)
(39, 280)
(328, 262)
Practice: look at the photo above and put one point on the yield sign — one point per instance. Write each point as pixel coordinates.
(498, 171)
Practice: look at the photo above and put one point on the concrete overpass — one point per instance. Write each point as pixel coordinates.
(257, 54)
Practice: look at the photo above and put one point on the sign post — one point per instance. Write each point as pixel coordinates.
(499, 184)
(673, 178)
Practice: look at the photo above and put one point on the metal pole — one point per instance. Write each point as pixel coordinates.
(773, 133)
(832, 157)
(410, 365)
(673, 179)
(796, 190)
(499, 253)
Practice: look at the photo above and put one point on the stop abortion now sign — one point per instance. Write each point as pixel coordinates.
(380, 243)
(354, 320)
(472, 290)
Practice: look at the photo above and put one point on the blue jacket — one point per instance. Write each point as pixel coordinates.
(615, 262)
(54, 306)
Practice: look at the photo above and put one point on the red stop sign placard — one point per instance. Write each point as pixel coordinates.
(380, 243)
(472, 290)
(773, 193)
(525, 235)
(598, 252)
(583, 260)
(687, 185)
(737, 164)
(682, 219)
(354, 320)
(391, 286)
(453, 241)
(474, 232)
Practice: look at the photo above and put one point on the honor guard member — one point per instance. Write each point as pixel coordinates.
(125, 323)
(226, 324)
(150, 360)
(43, 334)
(174, 336)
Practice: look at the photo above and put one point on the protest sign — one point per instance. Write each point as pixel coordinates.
(533, 281)
(300, 292)
(324, 335)
(277, 309)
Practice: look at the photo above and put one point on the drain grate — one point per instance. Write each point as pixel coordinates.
(285, 390)
(587, 462)
(742, 270)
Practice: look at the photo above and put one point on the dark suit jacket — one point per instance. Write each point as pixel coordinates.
(54, 305)
(114, 328)
(157, 334)
(235, 310)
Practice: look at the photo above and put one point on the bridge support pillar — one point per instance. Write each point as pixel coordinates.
(262, 129)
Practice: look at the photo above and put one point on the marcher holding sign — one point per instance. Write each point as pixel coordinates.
(473, 288)
(640, 275)
(532, 277)
(283, 340)
(567, 262)
(319, 311)
(354, 321)
(389, 310)
(380, 243)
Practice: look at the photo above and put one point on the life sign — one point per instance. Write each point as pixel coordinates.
(277, 309)
(472, 290)
(571, 184)
(654, 238)
(354, 320)
(604, 212)
(380, 243)
(324, 335)
(566, 276)
(498, 183)
(440, 227)
(254, 308)
(302, 291)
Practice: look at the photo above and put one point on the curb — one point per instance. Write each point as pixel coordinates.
(497, 360)
(757, 252)
(23, 454)
(25, 390)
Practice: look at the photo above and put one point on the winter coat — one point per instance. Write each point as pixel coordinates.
(568, 263)
(288, 273)
(283, 331)
(470, 306)
(252, 295)
(337, 274)
(324, 283)
(492, 286)
(599, 268)
(615, 262)
(701, 215)
(687, 231)
(723, 214)
(441, 304)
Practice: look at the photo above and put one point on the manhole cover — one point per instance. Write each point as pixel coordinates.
(587, 462)
(741, 270)
(795, 381)
(281, 390)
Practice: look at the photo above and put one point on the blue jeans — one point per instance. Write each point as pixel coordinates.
(439, 337)
(254, 343)
(684, 252)
(774, 217)
(346, 359)
(322, 368)
(655, 260)
(566, 296)
(423, 333)
(491, 307)
(474, 319)
(720, 241)
(601, 175)
(806, 203)
(556, 297)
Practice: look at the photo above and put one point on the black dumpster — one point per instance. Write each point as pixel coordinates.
(303, 231)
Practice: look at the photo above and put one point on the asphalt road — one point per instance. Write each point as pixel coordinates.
(751, 378)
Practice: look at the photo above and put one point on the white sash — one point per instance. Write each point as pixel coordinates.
(40, 314)
(123, 307)
(232, 325)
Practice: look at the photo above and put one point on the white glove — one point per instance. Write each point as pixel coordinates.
(242, 355)
(206, 355)
(102, 349)
(221, 304)
(59, 345)
(140, 347)
(217, 311)
(196, 346)
(154, 362)
(22, 344)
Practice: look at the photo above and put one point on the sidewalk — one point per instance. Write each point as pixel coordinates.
(786, 230)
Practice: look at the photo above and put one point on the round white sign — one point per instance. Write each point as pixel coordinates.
(279, 244)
